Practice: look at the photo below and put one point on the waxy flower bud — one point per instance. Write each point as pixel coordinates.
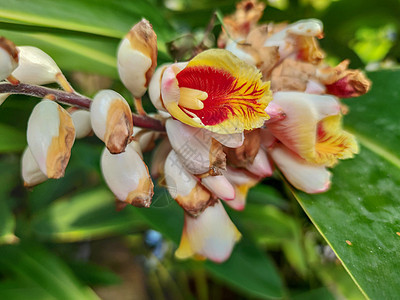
(30, 170)
(50, 135)
(137, 58)
(8, 58)
(242, 181)
(184, 187)
(127, 176)
(36, 67)
(211, 235)
(219, 186)
(198, 151)
(81, 119)
(111, 119)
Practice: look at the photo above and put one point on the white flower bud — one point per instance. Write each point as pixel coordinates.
(50, 135)
(211, 235)
(184, 187)
(30, 170)
(137, 58)
(8, 58)
(196, 148)
(111, 119)
(35, 67)
(127, 176)
(81, 119)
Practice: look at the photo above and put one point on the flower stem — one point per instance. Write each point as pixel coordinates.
(73, 99)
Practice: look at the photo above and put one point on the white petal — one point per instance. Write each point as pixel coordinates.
(308, 27)
(301, 174)
(155, 87)
(232, 47)
(81, 119)
(219, 186)
(35, 66)
(261, 165)
(212, 234)
(233, 140)
(303, 111)
(191, 144)
(31, 173)
(127, 176)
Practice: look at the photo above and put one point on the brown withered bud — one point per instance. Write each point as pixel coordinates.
(8, 58)
(244, 155)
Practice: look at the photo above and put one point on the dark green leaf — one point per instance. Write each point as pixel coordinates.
(359, 215)
(11, 139)
(42, 270)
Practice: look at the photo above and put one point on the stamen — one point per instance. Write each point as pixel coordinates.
(191, 98)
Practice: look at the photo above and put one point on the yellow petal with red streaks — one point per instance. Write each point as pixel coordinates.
(232, 94)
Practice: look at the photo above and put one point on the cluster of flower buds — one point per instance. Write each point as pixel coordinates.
(267, 99)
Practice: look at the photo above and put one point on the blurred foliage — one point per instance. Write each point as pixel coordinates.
(64, 240)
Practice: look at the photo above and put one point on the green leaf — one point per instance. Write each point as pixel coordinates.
(87, 215)
(99, 17)
(41, 269)
(249, 270)
(359, 216)
(11, 139)
(9, 175)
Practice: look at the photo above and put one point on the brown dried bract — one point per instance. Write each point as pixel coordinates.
(292, 75)
(239, 24)
(143, 38)
(141, 196)
(59, 151)
(10, 47)
(196, 201)
(119, 127)
(244, 155)
(217, 158)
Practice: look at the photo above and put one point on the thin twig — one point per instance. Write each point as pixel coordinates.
(73, 99)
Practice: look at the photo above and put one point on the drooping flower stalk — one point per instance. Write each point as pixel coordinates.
(73, 99)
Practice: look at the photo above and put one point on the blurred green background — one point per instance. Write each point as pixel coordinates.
(64, 240)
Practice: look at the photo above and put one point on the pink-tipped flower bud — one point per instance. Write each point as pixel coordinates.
(8, 58)
(50, 135)
(211, 235)
(127, 176)
(35, 67)
(111, 119)
(137, 58)
(30, 170)
(219, 186)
